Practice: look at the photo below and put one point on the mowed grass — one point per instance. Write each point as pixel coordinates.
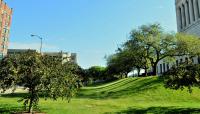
(127, 96)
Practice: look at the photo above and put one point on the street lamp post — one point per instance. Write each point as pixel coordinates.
(40, 41)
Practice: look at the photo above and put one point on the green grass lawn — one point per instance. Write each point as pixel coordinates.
(132, 95)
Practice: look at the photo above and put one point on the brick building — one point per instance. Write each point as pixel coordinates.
(5, 22)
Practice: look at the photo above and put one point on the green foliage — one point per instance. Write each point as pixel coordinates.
(96, 73)
(152, 43)
(121, 63)
(184, 75)
(188, 45)
(148, 45)
(40, 75)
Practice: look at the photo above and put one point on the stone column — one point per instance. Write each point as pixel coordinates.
(191, 11)
(186, 14)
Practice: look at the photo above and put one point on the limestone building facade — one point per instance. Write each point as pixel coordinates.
(188, 16)
(188, 21)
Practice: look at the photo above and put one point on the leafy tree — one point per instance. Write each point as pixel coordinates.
(188, 45)
(118, 64)
(154, 44)
(184, 75)
(39, 75)
(96, 73)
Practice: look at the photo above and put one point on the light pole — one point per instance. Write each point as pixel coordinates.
(32, 35)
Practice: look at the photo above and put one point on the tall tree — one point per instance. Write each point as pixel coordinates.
(39, 75)
(154, 44)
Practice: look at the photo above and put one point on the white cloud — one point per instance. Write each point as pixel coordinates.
(45, 47)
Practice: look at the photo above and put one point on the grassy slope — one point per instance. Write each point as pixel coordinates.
(132, 95)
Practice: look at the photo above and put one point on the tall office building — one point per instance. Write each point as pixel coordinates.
(5, 22)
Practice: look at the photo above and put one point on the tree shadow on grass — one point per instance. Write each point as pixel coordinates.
(122, 89)
(160, 110)
(13, 95)
(8, 109)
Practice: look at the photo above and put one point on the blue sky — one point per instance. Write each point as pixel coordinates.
(90, 28)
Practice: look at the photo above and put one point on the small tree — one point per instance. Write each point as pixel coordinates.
(185, 75)
(40, 75)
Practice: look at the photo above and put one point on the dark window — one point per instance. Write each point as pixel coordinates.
(197, 4)
(161, 68)
(184, 15)
(199, 59)
(188, 11)
(167, 66)
(181, 60)
(193, 10)
(180, 18)
(192, 60)
(176, 62)
(186, 60)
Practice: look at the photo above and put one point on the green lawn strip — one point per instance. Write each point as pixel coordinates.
(132, 95)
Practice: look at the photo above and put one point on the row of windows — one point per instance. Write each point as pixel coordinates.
(165, 67)
(191, 6)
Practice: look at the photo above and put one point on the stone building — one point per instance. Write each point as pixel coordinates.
(5, 22)
(66, 57)
(188, 16)
(188, 21)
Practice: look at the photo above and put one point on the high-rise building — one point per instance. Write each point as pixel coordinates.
(5, 22)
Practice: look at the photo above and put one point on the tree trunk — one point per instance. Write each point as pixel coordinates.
(154, 66)
(145, 71)
(126, 75)
(30, 109)
(138, 72)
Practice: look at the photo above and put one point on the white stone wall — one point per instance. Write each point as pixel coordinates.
(188, 21)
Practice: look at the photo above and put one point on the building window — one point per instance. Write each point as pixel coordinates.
(176, 62)
(199, 59)
(193, 10)
(184, 17)
(181, 60)
(188, 11)
(197, 5)
(180, 18)
(186, 60)
(160, 68)
(163, 67)
(167, 66)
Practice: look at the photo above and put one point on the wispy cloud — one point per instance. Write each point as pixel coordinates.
(36, 46)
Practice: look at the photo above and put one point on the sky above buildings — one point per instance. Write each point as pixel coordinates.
(90, 28)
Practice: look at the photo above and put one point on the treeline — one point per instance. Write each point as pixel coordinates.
(147, 46)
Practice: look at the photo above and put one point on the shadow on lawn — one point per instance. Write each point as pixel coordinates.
(13, 95)
(121, 89)
(8, 109)
(160, 110)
